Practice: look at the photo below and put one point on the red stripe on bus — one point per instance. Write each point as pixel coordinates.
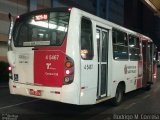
(49, 65)
(140, 69)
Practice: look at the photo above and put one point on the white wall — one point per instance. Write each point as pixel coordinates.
(6, 6)
(15, 9)
(3, 49)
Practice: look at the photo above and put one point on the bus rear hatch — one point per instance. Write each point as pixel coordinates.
(49, 67)
(41, 37)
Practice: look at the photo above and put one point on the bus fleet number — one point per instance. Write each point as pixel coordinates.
(52, 57)
(88, 66)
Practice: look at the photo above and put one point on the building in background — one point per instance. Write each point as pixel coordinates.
(112, 10)
(132, 14)
(15, 7)
(141, 18)
(7, 6)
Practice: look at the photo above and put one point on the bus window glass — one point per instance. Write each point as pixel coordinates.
(134, 50)
(98, 42)
(120, 45)
(104, 46)
(86, 39)
(45, 29)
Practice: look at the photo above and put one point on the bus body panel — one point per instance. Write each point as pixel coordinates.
(48, 93)
(72, 50)
(41, 67)
(85, 80)
(23, 70)
(66, 94)
(88, 73)
(49, 67)
(127, 72)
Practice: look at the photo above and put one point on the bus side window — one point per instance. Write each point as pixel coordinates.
(134, 49)
(120, 45)
(86, 39)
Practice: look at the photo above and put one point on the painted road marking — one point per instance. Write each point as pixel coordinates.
(129, 106)
(156, 89)
(146, 96)
(14, 105)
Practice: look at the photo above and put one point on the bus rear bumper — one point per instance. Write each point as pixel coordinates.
(41, 92)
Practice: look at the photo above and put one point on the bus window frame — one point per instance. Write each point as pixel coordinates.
(91, 56)
(127, 45)
(23, 17)
(138, 48)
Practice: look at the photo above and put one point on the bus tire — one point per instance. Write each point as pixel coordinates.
(119, 95)
(148, 87)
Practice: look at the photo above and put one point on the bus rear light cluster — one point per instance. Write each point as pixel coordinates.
(69, 71)
(10, 72)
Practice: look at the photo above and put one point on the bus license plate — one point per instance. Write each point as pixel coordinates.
(35, 92)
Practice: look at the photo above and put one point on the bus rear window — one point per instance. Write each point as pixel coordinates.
(46, 29)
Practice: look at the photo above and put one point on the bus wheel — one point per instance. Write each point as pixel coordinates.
(119, 95)
(148, 87)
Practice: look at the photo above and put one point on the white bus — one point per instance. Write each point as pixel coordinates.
(71, 56)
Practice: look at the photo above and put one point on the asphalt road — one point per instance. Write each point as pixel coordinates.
(140, 104)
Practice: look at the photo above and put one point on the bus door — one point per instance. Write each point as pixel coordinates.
(102, 36)
(152, 59)
(147, 63)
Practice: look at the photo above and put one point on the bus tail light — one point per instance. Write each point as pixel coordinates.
(10, 72)
(68, 71)
(9, 68)
(66, 79)
(68, 64)
(69, 9)
(155, 77)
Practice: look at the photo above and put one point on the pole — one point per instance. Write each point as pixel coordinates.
(107, 9)
(98, 7)
(32, 5)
